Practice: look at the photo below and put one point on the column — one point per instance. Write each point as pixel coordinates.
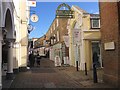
(0, 58)
(9, 74)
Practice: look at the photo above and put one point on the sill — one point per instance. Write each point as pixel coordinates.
(95, 28)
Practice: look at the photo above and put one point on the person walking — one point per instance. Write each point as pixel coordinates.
(31, 59)
(38, 59)
(95, 60)
(95, 57)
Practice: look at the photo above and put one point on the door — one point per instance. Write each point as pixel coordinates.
(96, 47)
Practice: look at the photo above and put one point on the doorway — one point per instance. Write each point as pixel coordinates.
(96, 47)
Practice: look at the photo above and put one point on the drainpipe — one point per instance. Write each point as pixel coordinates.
(0, 58)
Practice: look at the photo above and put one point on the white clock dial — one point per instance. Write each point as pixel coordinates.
(34, 18)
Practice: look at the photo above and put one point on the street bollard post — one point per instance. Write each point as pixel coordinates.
(77, 65)
(85, 68)
(94, 73)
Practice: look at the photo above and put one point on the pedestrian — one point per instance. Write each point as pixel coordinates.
(38, 59)
(31, 59)
(95, 60)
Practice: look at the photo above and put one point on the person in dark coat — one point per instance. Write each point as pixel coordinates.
(32, 59)
(96, 59)
(38, 59)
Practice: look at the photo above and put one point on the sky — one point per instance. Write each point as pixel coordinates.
(46, 13)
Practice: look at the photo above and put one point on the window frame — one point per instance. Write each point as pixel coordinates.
(91, 21)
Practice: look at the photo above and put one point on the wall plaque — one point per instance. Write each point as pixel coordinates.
(109, 46)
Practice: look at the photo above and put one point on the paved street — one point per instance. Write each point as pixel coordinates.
(48, 76)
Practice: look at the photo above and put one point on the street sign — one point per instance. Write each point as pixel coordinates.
(29, 28)
(76, 36)
(34, 18)
(64, 13)
(57, 61)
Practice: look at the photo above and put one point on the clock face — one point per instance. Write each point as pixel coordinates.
(34, 18)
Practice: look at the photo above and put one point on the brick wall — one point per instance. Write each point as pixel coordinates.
(63, 27)
(110, 33)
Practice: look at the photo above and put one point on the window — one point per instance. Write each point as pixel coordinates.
(57, 22)
(95, 23)
(51, 41)
(51, 30)
(54, 38)
(54, 26)
(58, 36)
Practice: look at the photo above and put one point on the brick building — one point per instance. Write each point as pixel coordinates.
(110, 22)
(57, 30)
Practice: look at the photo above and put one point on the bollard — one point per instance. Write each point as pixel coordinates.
(94, 73)
(85, 69)
(77, 65)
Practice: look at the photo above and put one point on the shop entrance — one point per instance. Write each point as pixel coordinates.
(96, 47)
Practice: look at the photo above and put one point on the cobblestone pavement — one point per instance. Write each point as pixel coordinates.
(48, 76)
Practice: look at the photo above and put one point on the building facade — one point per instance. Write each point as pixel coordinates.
(84, 38)
(13, 37)
(110, 39)
(53, 40)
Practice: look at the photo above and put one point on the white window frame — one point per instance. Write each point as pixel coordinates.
(92, 23)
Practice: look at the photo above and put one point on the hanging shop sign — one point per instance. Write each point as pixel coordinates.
(30, 28)
(34, 18)
(32, 3)
(76, 36)
(64, 13)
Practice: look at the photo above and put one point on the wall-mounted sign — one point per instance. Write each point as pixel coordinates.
(34, 18)
(64, 13)
(76, 36)
(109, 46)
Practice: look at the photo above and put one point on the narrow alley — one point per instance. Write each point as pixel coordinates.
(48, 76)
